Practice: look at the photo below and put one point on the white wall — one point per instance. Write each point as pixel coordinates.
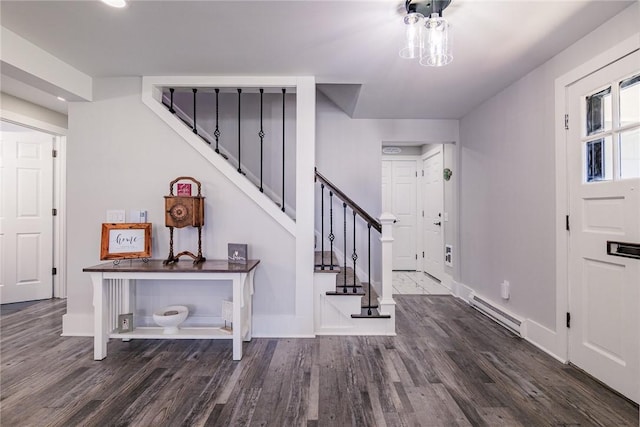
(348, 153)
(507, 200)
(122, 156)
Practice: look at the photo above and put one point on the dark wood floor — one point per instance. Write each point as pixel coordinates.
(448, 366)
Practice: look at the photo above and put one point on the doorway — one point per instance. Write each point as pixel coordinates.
(26, 215)
(603, 163)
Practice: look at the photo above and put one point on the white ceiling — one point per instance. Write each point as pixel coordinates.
(350, 46)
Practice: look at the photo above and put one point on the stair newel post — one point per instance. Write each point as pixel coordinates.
(216, 133)
(344, 209)
(171, 110)
(284, 91)
(322, 225)
(369, 267)
(195, 130)
(354, 255)
(261, 135)
(239, 130)
(387, 305)
(331, 235)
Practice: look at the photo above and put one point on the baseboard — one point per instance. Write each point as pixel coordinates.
(543, 338)
(460, 290)
(497, 313)
(540, 336)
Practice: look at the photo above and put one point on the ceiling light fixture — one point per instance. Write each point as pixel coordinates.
(427, 39)
(115, 3)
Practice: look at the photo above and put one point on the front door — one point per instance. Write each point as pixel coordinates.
(26, 222)
(604, 196)
(432, 201)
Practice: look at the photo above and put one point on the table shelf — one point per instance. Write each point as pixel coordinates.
(200, 333)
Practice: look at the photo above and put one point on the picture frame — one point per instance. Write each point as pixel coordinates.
(125, 323)
(125, 241)
(237, 253)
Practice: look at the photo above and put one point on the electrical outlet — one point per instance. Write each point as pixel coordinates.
(505, 290)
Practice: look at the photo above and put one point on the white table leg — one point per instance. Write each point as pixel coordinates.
(248, 309)
(237, 318)
(100, 316)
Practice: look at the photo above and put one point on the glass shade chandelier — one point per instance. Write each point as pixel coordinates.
(427, 39)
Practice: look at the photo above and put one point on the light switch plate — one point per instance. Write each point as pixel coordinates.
(116, 216)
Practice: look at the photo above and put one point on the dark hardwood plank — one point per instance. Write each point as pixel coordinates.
(448, 366)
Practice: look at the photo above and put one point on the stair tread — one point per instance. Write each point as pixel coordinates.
(340, 292)
(375, 314)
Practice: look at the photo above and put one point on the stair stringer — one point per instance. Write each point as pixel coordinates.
(152, 98)
(332, 313)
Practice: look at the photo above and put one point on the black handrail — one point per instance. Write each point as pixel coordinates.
(353, 205)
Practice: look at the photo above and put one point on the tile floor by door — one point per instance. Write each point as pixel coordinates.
(416, 283)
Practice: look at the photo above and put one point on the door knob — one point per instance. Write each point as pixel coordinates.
(438, 223)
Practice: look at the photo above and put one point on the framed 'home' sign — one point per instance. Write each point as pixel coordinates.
(126, 241)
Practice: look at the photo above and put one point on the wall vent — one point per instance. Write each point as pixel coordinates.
(499, 316)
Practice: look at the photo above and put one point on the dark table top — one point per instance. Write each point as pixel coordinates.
(187, 266)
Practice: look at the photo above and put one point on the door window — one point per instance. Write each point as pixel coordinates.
(611, 140)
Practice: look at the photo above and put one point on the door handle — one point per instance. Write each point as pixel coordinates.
(438, 223)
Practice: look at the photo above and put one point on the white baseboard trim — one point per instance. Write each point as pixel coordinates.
(540, 336)
(460, 290)
(543, 338)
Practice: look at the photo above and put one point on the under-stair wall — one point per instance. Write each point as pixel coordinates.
(122, 155)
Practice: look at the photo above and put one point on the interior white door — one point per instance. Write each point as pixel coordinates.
(604, 196)
(432, 202)
(26, 222)
(399, 184)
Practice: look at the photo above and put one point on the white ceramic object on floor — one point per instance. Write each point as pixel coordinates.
(170, 318)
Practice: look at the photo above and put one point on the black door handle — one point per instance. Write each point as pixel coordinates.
(437, 223)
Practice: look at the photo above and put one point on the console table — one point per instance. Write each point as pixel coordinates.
(114, 294)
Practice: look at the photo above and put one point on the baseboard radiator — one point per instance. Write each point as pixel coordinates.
(499, 316)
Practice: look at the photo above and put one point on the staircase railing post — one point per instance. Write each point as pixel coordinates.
(171, 110)
(331, 235)
(354, 255)
(344, 248)
(322, 225)
(239, 131)
(216, 133)
(386, 302)
(195, 91)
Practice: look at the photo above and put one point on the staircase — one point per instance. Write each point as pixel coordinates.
(347, 300)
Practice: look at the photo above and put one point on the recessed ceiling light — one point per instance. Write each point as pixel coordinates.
(61, 99)
(115, 3)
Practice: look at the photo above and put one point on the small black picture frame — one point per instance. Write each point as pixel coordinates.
(125, 323)
(237, 253)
